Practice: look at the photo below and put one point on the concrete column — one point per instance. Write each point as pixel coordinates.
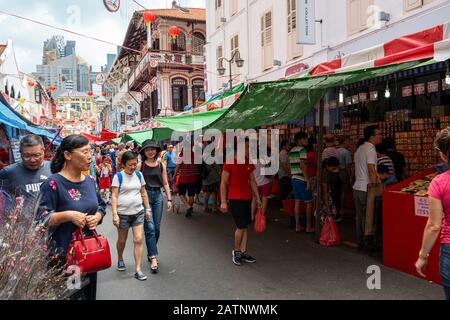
(164, 36)
(166, 93)
(190, 99)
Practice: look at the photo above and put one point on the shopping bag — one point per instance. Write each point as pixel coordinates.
(260, 221)
(275, 189)
(89, 254)
(289, 207)
(330, 235)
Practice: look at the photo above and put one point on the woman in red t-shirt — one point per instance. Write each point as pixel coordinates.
(240, 180)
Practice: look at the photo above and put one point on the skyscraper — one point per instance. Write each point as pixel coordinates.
(70, 48)
(54, 48)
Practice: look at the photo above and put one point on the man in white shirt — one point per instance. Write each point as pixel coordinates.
(365, 174)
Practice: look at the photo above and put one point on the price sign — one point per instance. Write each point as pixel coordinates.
(422, 207)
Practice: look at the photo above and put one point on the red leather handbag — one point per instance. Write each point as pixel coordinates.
(90, 254)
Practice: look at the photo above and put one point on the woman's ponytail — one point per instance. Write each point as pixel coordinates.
(69, 144)
(58, 160)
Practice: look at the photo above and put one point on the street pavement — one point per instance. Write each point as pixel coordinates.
(195, 264)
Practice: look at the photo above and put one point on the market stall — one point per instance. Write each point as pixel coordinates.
(405, 214)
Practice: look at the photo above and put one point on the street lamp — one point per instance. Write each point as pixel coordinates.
(236, 57)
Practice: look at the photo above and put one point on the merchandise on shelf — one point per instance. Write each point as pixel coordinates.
(419, 187)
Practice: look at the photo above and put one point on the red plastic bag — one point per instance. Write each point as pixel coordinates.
(330, 235)
(275, 189)
(260, 221)
(289, 207)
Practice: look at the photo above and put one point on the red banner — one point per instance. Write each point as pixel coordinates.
(407, 91)
(433, 86)
(419, 89)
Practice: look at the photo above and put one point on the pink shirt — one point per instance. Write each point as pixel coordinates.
(440, 189)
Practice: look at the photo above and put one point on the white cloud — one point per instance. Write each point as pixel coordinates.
(90, 19)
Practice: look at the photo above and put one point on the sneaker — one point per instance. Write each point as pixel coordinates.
(247, 258)
(237, 258)
(121, 266)
(140, 276)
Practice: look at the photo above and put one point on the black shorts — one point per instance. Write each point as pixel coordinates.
(199, 186)
(189, 188)
(241, 210)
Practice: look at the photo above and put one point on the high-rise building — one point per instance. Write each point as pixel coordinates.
(62, 67)
(70, 48)
(54, 48)
(83, 75)
(110, 58)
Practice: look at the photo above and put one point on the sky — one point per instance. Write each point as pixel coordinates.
(83, 16)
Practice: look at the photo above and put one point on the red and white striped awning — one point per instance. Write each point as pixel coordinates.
(427, 44)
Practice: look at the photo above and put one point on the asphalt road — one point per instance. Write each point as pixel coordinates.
(195, 264)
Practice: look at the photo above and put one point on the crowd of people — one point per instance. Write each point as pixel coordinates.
(81, 181)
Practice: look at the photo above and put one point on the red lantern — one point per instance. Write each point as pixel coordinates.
(174, 32)
(90, 93)
(30, 84)
(52, 88)
(149, 17)
(104, 94)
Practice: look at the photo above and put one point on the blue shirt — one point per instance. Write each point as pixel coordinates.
(170, 158)
(59, 194)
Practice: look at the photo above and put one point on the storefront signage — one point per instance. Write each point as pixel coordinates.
(433, 86)
(422, 207)
(374, 96)
(363, 97)
(419, 89)
(112, 5)
(122, 118)
(407, 91)
(306, 17)
(15, 147)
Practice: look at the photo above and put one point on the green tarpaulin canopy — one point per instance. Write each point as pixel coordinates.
(279, 102)
(117, 140)
(157, 134)
(191, 122)
(269, 103)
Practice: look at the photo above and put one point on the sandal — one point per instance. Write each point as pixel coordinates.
(154, 269)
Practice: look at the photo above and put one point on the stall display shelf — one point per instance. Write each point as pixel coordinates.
(404, 219)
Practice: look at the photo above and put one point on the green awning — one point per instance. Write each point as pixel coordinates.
(117, 140)
(191, 122)
(269, 103)
(277, 102)
(157, 134)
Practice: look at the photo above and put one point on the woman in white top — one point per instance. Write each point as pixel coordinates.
(129, 197)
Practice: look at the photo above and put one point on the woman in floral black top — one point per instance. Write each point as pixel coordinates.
(70, 199)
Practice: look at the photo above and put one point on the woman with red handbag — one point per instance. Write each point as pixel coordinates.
(70, 202)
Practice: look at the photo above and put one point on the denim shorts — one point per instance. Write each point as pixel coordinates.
(300, 191)
(127, 221)
(444, 268)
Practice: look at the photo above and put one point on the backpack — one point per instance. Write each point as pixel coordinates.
(120, 177)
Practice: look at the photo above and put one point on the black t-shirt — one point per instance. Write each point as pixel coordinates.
(20, 181)
(399, 163)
